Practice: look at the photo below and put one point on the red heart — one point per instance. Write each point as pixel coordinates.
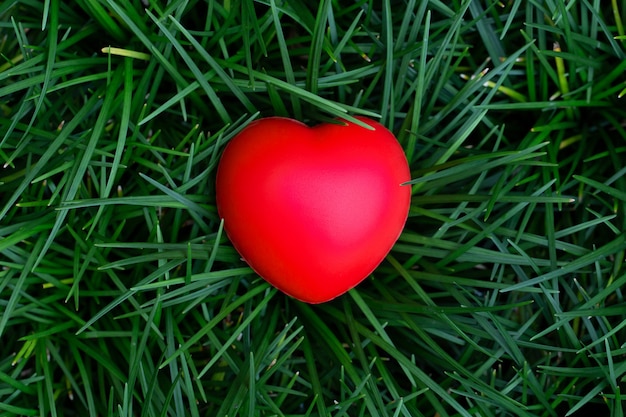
(313, 210)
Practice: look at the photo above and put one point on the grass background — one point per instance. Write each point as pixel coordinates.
(120, 295)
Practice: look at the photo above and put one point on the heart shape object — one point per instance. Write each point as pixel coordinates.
(313, 210)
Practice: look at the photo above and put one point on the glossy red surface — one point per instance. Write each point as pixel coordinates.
(313, 210)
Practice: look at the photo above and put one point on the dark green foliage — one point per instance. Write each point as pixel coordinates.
(120, 295)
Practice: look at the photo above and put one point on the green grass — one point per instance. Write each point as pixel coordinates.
(120, 295)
